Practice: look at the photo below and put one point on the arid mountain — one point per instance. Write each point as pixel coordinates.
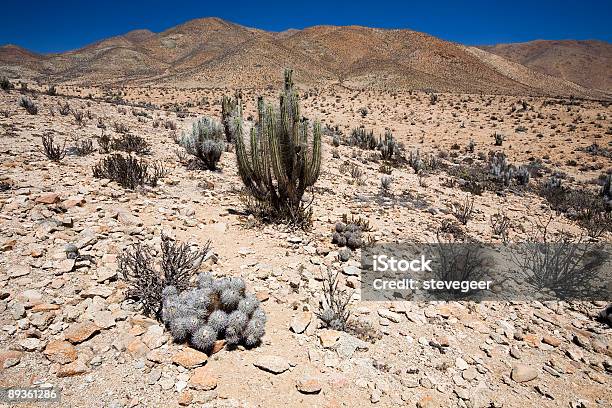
(587, 63)
(211, 52)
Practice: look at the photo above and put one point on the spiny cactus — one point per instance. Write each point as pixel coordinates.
(522, 175)
(226, 313)
(606, 189)
(388, 147)
(5, 84)
(499, 168)
(414, 161)
(282, 162)
(205, 142)
(363, 139)
(348, 235)
(499, 139)
(28, 105)
(229, 109)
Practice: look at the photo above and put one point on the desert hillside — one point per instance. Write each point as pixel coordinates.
(213, 53)
(586, 63)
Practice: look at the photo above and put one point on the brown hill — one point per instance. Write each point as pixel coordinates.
(211, 52)
(587, 63)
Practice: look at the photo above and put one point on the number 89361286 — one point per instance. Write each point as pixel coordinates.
(28, 394)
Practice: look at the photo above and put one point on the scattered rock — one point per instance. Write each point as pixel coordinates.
(328, 337)
(79, 332)
(300, 322)
(75, 368)
(272, 364)
(202, 380)
(9, 358)
(60, 351)
(308, 385)
(522, 373)
(189, 358)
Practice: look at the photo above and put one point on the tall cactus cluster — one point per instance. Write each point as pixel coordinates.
(205, 142)
(283, 159)
(215, 309)
(229, 109)
(388, 147)
(363, 139)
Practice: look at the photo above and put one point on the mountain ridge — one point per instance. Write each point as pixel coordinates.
(212, 52)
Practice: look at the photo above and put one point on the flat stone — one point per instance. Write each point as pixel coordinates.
(137, 348)
(125, 217)
(65, 266)
(20, 270)
(60, 351)
(74, 201)
(70, 370)
(551, 341)
(79, 332)
(469, 374)
(387, 314)
(348, 344)
(30, 344)
(202, 380)
(9, 358)
(48, 198)
(351, 270)
(189, 358)
(328, 338)
(308, 385)
(154, 337)
(185, 398)
(44, 307)
(104, 319)
(300, 322)
(100, 290)
(272, 364)
(461, 364)
(522, 373)
(154, 376)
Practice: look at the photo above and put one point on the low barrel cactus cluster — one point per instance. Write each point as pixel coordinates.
(214, 309)
(348, 235)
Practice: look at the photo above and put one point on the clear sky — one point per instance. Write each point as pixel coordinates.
(53, 26)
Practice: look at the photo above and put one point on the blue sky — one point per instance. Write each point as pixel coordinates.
(53, 26)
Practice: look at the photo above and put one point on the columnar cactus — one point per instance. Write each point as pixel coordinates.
(205, 142)
(388, 146)
(363, 139)
(229, 108)
(215, 309)
(282, 162)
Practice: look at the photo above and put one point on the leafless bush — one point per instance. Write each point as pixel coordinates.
(334, 312)
(83, 147)
(79, 116)
(461, 261)
(128, 171)
(500, 224)
(104, 143)
(131, 144)
(28, 105)
(121, 127)
(145, 283)
(385, 185)
(53, 151)
(64, 109)
(568, 267)
(464, 211)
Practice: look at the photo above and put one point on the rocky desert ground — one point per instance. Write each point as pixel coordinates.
(489, 144)
(66, 322)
